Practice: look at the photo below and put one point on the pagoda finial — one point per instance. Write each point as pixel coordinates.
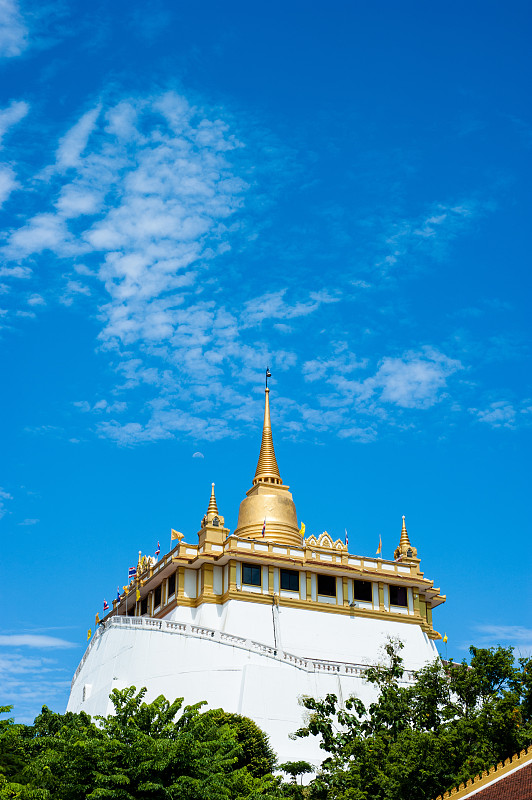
(404, 534)
(267, 470)
(213, 508)
(404, 551)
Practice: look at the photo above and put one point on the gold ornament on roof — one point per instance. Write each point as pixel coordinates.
(268, 499)
(267, 470)
(213, 507)
(405, 551)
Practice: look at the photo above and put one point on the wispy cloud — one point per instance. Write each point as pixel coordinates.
(505, 414)
(13, 31)
(4, 496)
(515, 635)
(274, 306)
(37, 641)
(75, 141)
(28, 681)
(29, 521)
(427, 235)
(146, 211)
(416, 379)
(12, 114)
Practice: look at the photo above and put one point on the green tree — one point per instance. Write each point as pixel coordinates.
(416, 740)
(144, 751)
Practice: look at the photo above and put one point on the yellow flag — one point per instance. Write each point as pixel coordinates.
(138, 595)
(97, 619)
(126, 589)
(445, 638)
(379, 548)
(302, 529)
(89, 634)
(177, 535)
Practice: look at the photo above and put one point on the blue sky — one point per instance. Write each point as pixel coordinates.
(192, 191)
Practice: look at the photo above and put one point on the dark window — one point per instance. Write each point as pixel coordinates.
(251, 575)
(171, 585)
(290, 580)
(327, 585)
(144, 605)
(157, 597)
(362, 590)
(398, 596)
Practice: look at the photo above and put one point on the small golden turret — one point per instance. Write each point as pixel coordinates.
(405, 551)
(213, 530)
(212, 517)
(268, 510)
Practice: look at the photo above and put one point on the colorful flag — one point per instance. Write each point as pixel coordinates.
(158, 549)
(132, 572)
(264, 528)
(117, 594)
(138, 595)
(379, 548)
(89, 634)
(346, 538)
(105, 605)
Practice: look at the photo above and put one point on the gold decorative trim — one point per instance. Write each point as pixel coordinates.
(494, 773)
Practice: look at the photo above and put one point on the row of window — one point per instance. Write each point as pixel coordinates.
(289, 579)
(362, 590)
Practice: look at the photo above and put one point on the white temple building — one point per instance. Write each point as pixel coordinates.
(250, 621)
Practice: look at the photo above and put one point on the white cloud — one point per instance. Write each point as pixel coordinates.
(504, 414)
(8, 182)
(37, 641)
(116, 407)
(36, 300)
(3, 497)
(499, 415)
(272, 305)
(416, 379)
(13, 31)
(515, 635)
(29, 681)
(149, 194)
(75, 141)
(13, 113)
(29, 521)
(429, 234)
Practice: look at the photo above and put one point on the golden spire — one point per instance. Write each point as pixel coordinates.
(404, 535)
(267, 470)
(213, 508)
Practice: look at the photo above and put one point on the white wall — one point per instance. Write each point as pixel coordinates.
(242, 680)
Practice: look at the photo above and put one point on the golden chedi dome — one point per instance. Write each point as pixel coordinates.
(268, 510)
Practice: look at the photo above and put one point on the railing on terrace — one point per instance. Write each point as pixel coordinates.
(201, 632)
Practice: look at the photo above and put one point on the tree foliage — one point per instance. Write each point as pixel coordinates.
(414, 741)
(419, 739)
(144, 751)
